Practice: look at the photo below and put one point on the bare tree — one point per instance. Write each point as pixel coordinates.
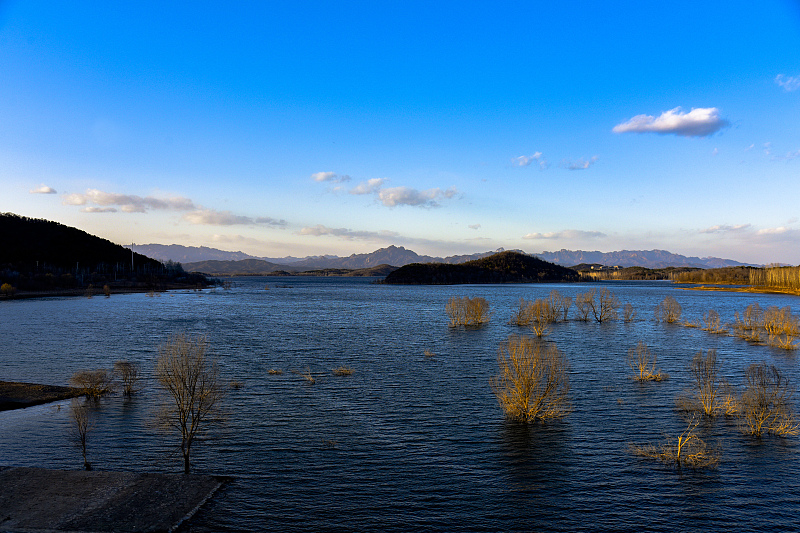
(191, 377)
(643, 361)
(584, 302)
(605, 306)
(669, 310)
(81, 424)
(468, 311)
(766, 402)
(704, 398)
(628, 313)
(687, 449)
(712, 322)
(533, 383)
(93, 383)
(129, 374)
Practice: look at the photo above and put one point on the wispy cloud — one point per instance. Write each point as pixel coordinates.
(212, 217)
(368, 187)
(699, 122)
(526, 160)
(395, 196)
(565, 234)
(128, 203)
(330, 176)
(580, 164)
(789, 83)
(474, 226)
(43, 189)
(347, 234)
(407, 196)
(94, 209)
(725, 228)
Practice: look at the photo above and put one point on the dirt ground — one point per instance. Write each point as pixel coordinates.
(15, 395)
(41, 500)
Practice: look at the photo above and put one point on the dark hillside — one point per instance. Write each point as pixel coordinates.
(504, 267)
(41, 255)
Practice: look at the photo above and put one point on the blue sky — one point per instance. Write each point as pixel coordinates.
(306, 128)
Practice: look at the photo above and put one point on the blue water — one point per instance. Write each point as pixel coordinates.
(407, 442)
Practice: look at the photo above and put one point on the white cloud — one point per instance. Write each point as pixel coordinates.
(525, 160)
(699, 122)
(565, 234)
(368, 187)
(724, 228)
(212, 217)
(407, 196)
(43, 189)
(580, 164)
(346, 234)
(789, 83)
(128, 203)
(329, 176)
(93, 209)
(474, 226)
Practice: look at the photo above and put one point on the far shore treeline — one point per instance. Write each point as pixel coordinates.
(43, 256)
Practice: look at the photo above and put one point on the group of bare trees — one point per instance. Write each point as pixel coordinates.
(533, 380)
(186, 372)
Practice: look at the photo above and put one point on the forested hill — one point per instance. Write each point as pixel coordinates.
(27, 241)
(41, 255)
(504, 267)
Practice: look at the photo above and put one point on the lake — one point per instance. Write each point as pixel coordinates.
(408, 442)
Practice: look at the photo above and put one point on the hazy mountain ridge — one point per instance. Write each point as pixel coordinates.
(642, 258)
(399, 256)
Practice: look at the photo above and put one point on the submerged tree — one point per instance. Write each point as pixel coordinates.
(191, 377)
(643, 362)
(93, 383)
(533, 383)
(685, 450)
(129, 375)
(81, 424)
(468, 311)
(669, 310)
(704, 398)
(766, 405)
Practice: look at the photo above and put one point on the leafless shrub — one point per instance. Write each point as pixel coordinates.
(628, 313)
(129, 374)
(106, 291)
(766, 402)
(93, 383)
(782, 327)
(669, 310)
(236, 384)
(274, 372)
(81, 426)
(703, 398)
(584, 303)
(643, 361)
(428, 353)
(750, 323)
(468, 311)
(191, 378)
(712, 322)
(343, 371)
(687, 450)
(533, 383)
(605, 306)
(306, 374)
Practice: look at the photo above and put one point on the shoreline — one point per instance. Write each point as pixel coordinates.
(748, 289)
(19, 395)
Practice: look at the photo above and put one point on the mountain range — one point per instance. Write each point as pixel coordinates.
(219, 262)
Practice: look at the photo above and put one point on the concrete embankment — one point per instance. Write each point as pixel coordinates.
(41, 500)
